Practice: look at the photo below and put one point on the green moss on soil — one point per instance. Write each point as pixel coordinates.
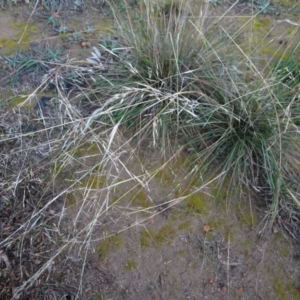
(247, 244)
(148, 238)
(257, 30)
(282, 244)
(94, 181)
(165, 235)
(215, 224)
(285, 291)
(109, 244)
(140, 199)
(273, 52)
(71, 200)
(245, 214)
(15, 101)
(185, 226)
(99, 296)
(130, 265)
(196, 182)
(278, 236)
(61, 173)
(286, 2)
(87, 150)
(100, 26)
(26, 34)
(165, 177)
(197, 203)
(219, 194)
(262, 24)
(285, 251)
(182, 252)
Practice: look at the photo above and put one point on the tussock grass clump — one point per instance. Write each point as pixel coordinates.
(186, 84)
(167, 42)
(247, 136)
(172, 62)
(162, 40)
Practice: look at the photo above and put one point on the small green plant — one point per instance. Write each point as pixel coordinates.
(214, 2)
(2, 3)
(52, 12)
(163, 46)
(76, 37)
(61, 29)
(78, 5)
(35, 61)
(288, 73)
(55, 5)
(89, 29)
(263, 6)
(109, 42)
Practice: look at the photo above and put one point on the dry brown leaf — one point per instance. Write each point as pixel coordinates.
(206, 228)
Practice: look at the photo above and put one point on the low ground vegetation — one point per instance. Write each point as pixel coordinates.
(171, 80)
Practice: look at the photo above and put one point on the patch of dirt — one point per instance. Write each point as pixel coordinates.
(7, 31)
(180, 251)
